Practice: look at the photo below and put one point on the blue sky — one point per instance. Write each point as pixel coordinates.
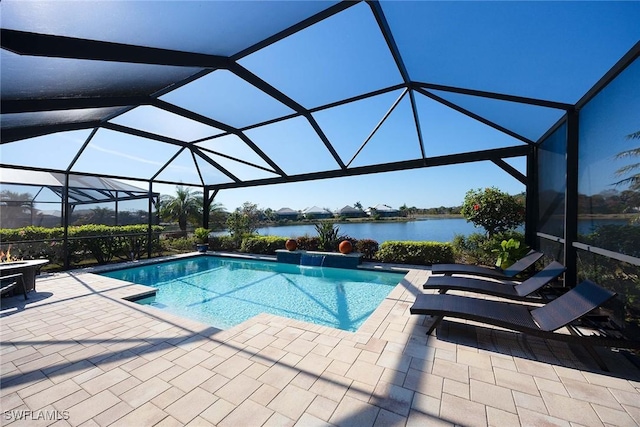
(431, 187)
(548, 50)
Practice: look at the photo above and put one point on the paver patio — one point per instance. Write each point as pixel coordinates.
(77, 353)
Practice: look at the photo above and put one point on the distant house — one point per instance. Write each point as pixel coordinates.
(316, 212)
(286, 213)
(382, 210)
(350, 212)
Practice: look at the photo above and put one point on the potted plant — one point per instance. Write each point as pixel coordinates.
(202, 239)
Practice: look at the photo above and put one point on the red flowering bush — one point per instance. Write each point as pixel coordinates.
(367, 247)
(493, 210)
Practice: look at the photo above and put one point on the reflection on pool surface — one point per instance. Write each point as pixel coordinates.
(224, 292)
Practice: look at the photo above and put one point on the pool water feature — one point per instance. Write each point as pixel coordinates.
(224, 292)
(312, 260)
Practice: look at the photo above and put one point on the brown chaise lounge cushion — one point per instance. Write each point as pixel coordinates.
(512, 290)
(508, 273)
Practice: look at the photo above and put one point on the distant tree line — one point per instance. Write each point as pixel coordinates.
(441, 210)
(610, 202)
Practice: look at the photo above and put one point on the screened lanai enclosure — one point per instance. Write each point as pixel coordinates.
(24, 189)
(221, 95)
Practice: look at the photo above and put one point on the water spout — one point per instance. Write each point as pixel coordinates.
(312, 260)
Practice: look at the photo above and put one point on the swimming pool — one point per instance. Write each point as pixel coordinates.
(224, 292)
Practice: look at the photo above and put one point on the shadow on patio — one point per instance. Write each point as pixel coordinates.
(81, 342)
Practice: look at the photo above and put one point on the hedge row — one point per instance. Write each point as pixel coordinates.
(418, 253)
(262, 244)
(100, 242)
(222, 243)
(105, 243)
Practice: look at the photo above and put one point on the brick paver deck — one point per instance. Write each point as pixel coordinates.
(76, 353)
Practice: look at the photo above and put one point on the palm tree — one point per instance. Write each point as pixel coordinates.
(217, 216)
(185, 206)
(17, 209)
(634, 180)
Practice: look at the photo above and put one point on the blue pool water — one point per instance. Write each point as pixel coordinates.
(224, 292)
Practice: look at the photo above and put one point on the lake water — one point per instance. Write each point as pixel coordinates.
(431, 229)
(427, 229)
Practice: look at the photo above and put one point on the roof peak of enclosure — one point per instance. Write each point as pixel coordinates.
(298, 85)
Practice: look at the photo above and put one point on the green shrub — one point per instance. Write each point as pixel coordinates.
(266, 245)
(201, 234)
(33, 242)
(101, 242)
(30, 233)
(10, 235)
(509, 252)
(418, 253)
(222, 243)
(243, 221)
(618, 276)
(367, 247)
(622, 238)
(105, 242)
(492, 209)
(306, 243)
(479, 249)
(180, 244)
(328, 235)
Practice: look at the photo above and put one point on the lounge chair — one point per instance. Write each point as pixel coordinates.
(508, 273)
(540, 321)
(11, 282)
(512, 290)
